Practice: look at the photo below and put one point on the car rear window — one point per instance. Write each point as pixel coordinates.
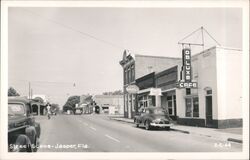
(16, 109)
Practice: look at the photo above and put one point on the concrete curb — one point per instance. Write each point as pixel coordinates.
(187, 132)
(234, 140)
(179, 130)
(120, 120)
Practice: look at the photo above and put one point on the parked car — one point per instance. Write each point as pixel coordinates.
(153, 117)
(23, 130)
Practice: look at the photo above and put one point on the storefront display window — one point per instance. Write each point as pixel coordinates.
(146, 101)
(151, 101)
(196, 107)
(126, 102)
(188, 107)
(170, 105)
(133, 102)
(192, 107)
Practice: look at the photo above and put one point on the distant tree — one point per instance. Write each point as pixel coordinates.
(12, 92)
(118, 92)
(71, 103)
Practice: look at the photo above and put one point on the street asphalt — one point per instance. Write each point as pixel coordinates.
(98, 133)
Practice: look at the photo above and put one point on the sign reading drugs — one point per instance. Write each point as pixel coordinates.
(132, 89)
(186, 71)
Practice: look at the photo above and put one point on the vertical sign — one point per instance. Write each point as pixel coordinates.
(186, 71)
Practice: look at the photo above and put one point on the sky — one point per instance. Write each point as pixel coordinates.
(55, 48)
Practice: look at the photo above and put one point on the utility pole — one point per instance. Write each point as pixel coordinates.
(202, 34)
(29, 97)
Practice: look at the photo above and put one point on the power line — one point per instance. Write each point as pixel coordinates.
(76, 30)
(43, 82)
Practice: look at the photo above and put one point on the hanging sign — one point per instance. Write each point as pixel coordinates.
(186, 71)
(132, 89)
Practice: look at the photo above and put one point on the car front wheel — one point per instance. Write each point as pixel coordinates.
(22, 144)
(167, 128)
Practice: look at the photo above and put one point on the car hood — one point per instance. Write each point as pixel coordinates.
(15, 118)
(160, 116)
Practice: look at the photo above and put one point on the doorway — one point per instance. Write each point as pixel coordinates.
(209, 111)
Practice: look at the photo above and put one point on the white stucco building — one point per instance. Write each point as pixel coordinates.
(217, 100)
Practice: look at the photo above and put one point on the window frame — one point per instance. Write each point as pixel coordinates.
(191, 98)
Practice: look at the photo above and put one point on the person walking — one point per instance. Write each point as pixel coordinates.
(48, 110)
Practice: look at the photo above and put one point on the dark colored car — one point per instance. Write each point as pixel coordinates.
(153, 117)
(23, 131)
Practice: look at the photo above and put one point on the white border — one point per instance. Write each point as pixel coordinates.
(244, 4)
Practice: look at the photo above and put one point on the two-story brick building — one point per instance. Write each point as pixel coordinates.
(136, 66)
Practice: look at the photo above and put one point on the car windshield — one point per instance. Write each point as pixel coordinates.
(16, 109)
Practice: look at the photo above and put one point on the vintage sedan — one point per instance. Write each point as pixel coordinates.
(151, 117)
(23, 130)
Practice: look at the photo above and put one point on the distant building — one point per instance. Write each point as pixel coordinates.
(86, 103)
(39, 104)
(110, 104)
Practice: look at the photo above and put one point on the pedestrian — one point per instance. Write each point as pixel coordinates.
(48, 110)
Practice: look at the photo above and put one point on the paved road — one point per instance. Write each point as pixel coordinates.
(97, 133)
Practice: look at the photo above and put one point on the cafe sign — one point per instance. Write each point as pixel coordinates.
(186, 71)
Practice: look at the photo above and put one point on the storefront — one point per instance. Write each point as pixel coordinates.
(166, 81)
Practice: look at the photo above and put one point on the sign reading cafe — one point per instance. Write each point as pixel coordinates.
(186, 71)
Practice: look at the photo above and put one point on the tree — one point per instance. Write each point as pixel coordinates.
(117, 92)
(12, 92)
(71, 103)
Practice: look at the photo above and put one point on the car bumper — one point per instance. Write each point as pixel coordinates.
(161, 125)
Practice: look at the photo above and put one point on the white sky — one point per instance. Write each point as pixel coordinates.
(42, 50)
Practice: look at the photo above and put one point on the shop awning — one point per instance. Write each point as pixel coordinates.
(152, 91)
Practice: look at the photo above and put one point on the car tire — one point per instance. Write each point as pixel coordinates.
(136, 123)
(167, 128)
(147, 125)
(35, 145)
(23, 144)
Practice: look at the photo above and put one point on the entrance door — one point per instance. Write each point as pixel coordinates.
(209, 111)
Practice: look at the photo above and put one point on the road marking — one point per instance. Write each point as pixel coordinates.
(112, 138)
(93, 128)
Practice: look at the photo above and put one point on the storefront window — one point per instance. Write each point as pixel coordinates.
(195, 107)
(170, 105)
(128, 75)
(192, 107)
(126, 103)
(146, 101)
(133, 72)
(151, 100)
(188, 107)
(133, 102)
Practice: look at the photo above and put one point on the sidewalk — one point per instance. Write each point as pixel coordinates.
(230, 134)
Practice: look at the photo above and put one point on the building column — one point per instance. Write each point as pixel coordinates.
(158, 101)
(38, 109)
